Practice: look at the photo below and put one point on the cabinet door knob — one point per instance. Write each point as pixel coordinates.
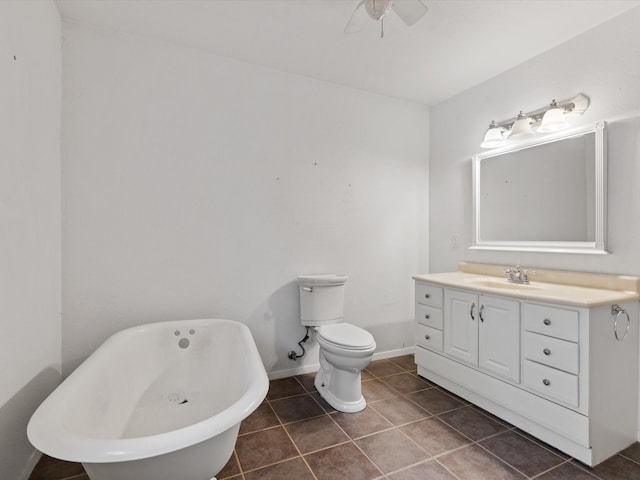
(546, 321)
(546, 382)
(427, 316)
(426, 295)
(427, 337)
(546, 351)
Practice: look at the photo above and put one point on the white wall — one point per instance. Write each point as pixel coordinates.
(603, 64)
(199, 186)
(29, 222)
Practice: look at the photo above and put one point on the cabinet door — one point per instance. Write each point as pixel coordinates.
(499, 337)
(461, 326)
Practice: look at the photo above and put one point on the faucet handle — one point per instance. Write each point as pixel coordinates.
(510, 274)
(525, 275)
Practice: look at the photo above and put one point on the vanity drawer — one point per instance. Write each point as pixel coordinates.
(428, 295)
(552, 321)
(428, 337)
(551, 351)
(429, 316)
(551, 383)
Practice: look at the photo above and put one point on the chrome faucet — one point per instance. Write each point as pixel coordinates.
(517, 275)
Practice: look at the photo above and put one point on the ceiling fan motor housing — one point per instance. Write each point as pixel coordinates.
(377, 8)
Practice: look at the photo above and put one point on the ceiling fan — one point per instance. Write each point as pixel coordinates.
(409, 11)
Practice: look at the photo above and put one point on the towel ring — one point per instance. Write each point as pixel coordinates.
(618, 310)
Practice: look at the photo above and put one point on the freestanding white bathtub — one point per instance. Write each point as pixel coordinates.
(161, 401)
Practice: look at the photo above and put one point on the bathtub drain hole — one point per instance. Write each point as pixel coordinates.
(177, 398)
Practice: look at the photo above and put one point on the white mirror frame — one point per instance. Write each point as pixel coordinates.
(600, 221)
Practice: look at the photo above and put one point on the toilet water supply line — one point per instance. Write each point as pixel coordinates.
(292, 354)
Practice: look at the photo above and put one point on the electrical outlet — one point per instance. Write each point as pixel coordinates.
(454, 241)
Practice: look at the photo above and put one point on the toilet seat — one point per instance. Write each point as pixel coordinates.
(346, 336)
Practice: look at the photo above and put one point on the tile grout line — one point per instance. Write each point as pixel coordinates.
(447, 469)
(240, 466)
(241, 475)
(539, 443)
(384, 475)
(584, 468)
(477, 442)
(289, 435)
(281, 425)
(508, 429)
(500, 459)
(428, 456)
(629, 458)
(301, 455)
(431, 415)
(353, 441)
(564, 462)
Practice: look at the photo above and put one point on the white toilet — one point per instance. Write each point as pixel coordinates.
(344, 348)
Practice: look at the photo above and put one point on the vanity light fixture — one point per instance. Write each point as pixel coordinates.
(494, 136)
(550, 118)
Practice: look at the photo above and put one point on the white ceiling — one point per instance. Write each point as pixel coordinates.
(455, 46)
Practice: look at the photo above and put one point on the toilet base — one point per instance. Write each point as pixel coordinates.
(348, 406)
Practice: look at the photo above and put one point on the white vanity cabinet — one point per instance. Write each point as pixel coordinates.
(556, 370)
(483, 331)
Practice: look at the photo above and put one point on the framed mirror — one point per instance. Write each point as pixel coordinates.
(546, 195)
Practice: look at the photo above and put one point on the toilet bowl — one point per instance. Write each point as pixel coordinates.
(345, 349)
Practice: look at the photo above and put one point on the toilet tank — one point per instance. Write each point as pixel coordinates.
(321, 299)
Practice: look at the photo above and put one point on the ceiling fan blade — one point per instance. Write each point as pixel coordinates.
(358, 19)
(410, 11)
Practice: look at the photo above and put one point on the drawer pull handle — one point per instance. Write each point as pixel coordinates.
(427, 337)
(473, 305)
(427, 316)
(426, 295)
(546, 351)
(546, 321)
(546, 382)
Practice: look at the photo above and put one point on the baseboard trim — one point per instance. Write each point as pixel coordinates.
(31, 464)
(393, 353)
(290, 372)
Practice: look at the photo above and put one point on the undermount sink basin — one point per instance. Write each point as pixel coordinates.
(485, 282)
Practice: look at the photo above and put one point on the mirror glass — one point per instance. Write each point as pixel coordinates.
(546, 195)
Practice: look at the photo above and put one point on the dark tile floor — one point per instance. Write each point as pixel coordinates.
(410, 430)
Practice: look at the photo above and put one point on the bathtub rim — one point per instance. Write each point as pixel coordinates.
(46, 432)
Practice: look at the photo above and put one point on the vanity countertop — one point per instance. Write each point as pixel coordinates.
(552, 286)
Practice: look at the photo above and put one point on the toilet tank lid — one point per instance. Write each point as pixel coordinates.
(332, 279)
